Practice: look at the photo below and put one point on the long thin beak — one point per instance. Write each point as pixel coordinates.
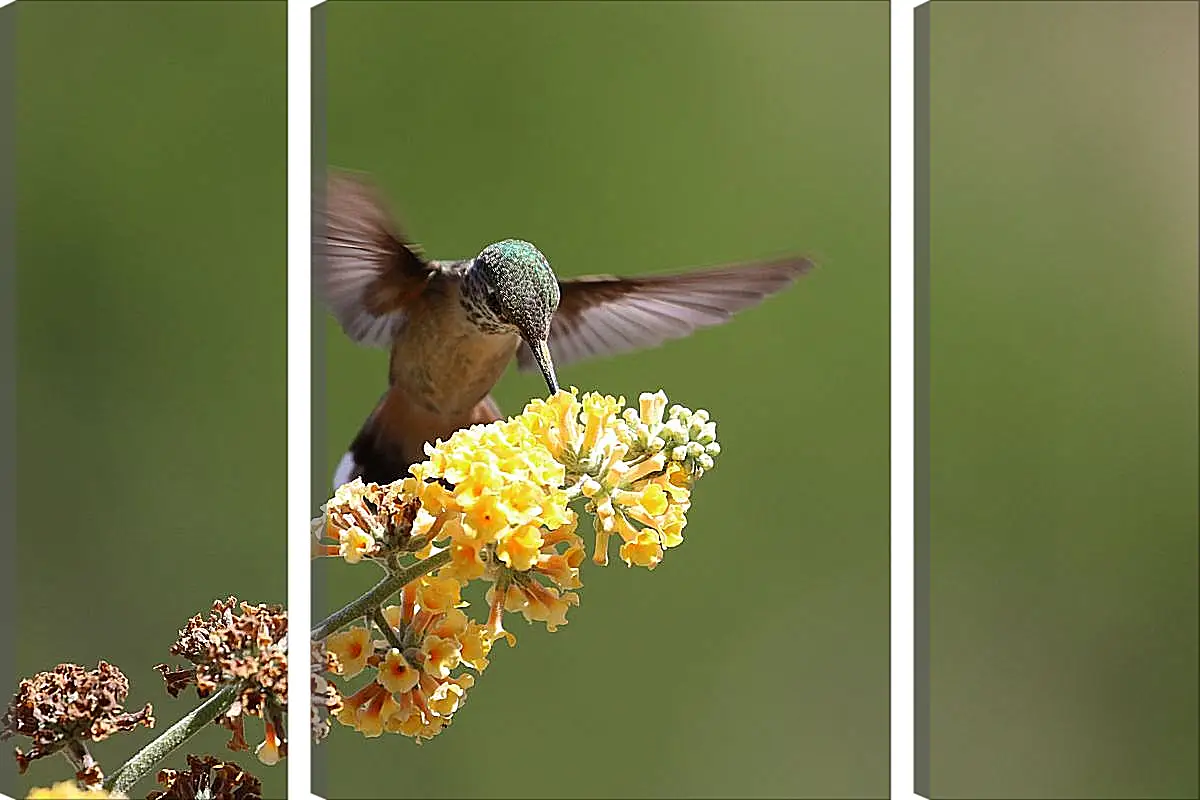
(541, 354)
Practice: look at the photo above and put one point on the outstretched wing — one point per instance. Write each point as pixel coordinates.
(366, 271)
(604, 315)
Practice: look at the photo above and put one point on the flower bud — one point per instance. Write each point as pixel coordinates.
(674, 431)
(651, 405)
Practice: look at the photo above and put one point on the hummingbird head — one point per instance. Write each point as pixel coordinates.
(510, 286)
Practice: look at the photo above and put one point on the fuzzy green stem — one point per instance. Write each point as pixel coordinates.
(382, 623)
(374, 597)
(140, 764)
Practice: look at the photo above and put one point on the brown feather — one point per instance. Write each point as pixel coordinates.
(605, 315)
(485, 412)
(394, 436)
(368, 272)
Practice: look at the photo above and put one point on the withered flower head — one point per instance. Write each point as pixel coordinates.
(248, 649)
(366, 520)
(207, 778)
(60, 708)
(325, 698)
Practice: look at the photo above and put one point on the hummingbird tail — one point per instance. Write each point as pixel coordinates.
(393, 438)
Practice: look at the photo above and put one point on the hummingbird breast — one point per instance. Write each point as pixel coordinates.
(441, 360)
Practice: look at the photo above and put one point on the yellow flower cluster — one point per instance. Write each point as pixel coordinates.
(637, 487)
(412, 690)
(508, 491)
(494, 501)
(561, 553)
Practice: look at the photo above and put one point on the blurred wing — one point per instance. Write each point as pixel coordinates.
(604, 315)
(367, 272)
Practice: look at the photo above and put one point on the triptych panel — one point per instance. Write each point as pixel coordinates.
(601, 411)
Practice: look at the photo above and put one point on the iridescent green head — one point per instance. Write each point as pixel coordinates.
(510, 286)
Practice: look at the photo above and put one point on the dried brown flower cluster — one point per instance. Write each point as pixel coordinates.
(325, 698)
(375, 524)
(207, 778)
(246, 649)
(61, 708)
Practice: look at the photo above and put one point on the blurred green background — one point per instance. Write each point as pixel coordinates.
(151, 184)
(1064, 399)
(632, 138)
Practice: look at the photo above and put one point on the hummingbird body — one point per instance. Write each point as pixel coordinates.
(454, 326)
(444, 359)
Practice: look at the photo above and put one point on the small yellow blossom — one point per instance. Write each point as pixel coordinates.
(495, 621)
(348, 714)
(518, 586)
(671, 525)
(269, 751)
(368, 709)
(520, 550)
(446, 699)
(435, 498)
(354, 543)
(352, 648)
(654, 500)
(413, 691)
(439, 594)
(555, 422)
(396, 673)
(442, 654)
(643, 550)
(348, 509)
(536, 602)
(419, 720)
(486, 516)
(598, 415)
(652, 407)
(476, 644)
(676, 482)
(466, 560)
(452, 623)
(562, 567)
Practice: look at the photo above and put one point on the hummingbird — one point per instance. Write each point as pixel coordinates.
(453, 326)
